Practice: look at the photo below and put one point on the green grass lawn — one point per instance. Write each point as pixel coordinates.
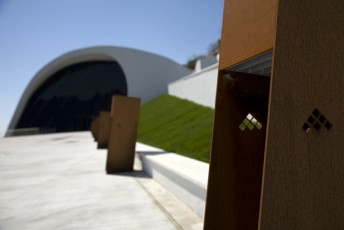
(177, 125)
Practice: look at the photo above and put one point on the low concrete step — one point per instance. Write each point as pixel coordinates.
(186, 178)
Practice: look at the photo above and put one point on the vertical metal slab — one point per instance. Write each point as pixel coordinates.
(248, 29)
(303, 184)
(123, 133)
(235, 175)
(234, 183)
(94, 128)
(103, 129)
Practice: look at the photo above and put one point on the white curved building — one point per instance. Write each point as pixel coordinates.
(62, 91)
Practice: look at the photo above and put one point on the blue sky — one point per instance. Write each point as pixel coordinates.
(32, 33)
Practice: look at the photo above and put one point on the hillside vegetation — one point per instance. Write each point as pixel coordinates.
(177, 125)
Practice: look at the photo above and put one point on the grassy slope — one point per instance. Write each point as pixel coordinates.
(178, 126)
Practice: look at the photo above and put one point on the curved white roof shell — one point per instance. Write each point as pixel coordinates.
(147, 74)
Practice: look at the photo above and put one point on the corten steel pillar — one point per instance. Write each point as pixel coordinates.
(277, 155)
(303, 184)
(94, 128)
(235, 175)
(103, 129)
(123, 134)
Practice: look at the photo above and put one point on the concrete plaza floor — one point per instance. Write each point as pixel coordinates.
(58, 181)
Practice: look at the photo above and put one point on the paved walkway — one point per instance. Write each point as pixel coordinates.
(58, 181)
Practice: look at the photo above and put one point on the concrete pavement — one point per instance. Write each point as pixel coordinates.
(58, 181)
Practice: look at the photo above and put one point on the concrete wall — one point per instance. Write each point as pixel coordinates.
(199, 87)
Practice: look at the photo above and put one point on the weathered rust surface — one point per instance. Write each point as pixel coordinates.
(237, 156)
(94, 128)
(301, 179)
(123, 133)
(103, 129)
(248, 30)
(304, 171)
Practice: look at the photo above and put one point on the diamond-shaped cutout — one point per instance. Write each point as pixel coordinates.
(250, 122)
(316, 120)
(242, 127)
(322, 119)
(259, 126)
(328, 125)
(316, 112)
(250, 126)
(311, 120)
(249, 116)
(246, 122)
(306, 127)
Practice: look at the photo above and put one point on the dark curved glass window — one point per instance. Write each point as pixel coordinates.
(72, 97)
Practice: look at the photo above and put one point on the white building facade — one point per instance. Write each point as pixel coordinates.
(145, 75)
(199, 86)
